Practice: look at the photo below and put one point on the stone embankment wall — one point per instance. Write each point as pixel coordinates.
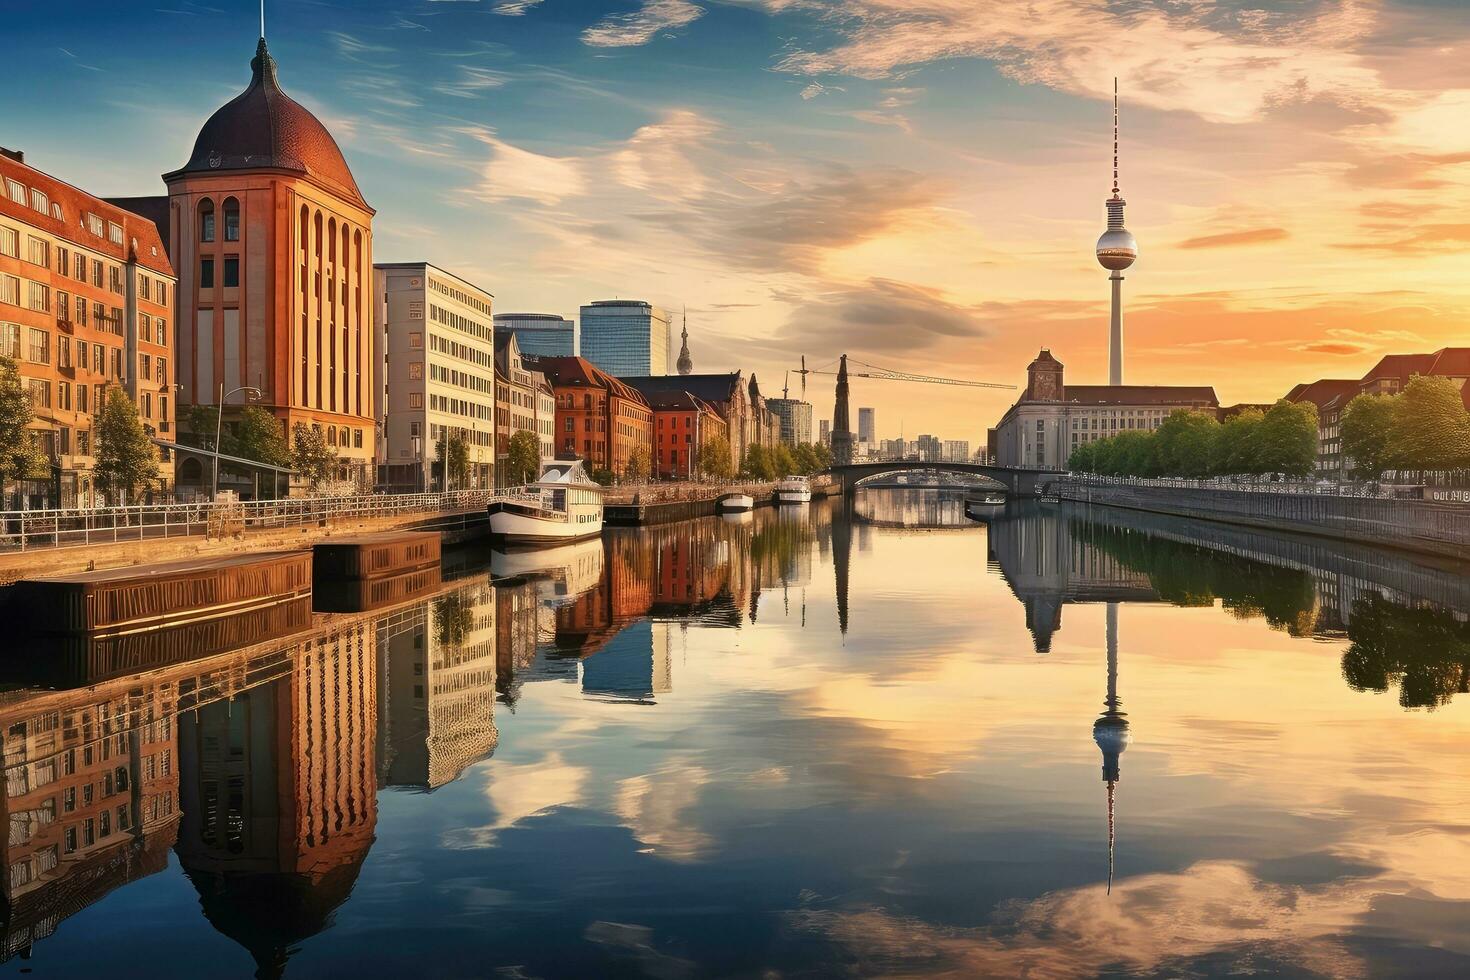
(1416, 525)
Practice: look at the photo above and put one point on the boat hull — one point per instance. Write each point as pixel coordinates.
(519, 524)
(735, 503)
(793, 496)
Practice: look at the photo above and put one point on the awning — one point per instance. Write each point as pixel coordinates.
(239, 461)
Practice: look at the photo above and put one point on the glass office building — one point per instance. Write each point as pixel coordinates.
(626, 337)
(541, 334)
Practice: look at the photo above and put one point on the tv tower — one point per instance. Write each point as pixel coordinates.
(1116, 250)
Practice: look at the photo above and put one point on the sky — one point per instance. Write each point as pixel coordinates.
(917, 183)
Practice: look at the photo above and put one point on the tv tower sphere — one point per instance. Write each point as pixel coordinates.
(1116, 249)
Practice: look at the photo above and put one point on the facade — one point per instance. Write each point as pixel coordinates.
(541, 334)
(545, 417)
(1389, 376)
(273, 244)
(599, 419)
(1051, 418)
(763, 426)
(86, 301)
(681, 424)
(931, 449)
(626, 337)
(728, 394)
(436, 375)
(515, 398)
(824, 431)
(867, 426)
(793, 418)
(956, 451)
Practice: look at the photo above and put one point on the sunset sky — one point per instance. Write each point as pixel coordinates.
(918, 183)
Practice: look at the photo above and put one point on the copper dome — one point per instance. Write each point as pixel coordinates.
(265, 129)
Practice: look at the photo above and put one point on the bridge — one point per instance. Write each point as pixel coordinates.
(1016, 481)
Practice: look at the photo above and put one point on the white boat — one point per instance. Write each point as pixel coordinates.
(794, 490)
(563, 505)
(734, 503)
(986, 498)
(561, 572)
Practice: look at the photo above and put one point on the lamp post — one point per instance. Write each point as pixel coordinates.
(219, 418)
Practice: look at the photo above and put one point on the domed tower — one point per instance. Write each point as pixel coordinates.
(1116, 251)
(686, 361)
(272, 240)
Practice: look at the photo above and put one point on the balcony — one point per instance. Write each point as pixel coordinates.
(65, 326)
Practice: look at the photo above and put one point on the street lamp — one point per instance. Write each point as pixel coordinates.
(219, 418)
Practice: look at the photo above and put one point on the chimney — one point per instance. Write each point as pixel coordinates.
(16, 155)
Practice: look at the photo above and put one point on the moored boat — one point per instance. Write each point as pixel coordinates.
(563, 505)
(734, 503)
(793, 490)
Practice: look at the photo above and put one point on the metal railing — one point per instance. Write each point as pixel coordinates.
(1371, 489)
(24, 530)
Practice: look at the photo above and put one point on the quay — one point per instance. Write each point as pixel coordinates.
(640, 512)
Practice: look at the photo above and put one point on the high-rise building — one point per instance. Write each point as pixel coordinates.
(795, 417)
(1116, 250)
(824, 431)
(86, 301)
(626, 337)
(930, 449)
(956, 450)
(273, 243)
(541, 334)
(867, 426)
(437, 373)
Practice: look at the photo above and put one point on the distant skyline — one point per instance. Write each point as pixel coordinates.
(919, 184)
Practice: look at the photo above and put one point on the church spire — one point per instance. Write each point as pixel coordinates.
(686, 361)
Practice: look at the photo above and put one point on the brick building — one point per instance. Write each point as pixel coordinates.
(86, 301)
(599, 418)
(681, 424)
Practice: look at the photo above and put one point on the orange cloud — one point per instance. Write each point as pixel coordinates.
(1230, 239)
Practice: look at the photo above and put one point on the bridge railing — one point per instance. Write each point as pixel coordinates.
(24, 530)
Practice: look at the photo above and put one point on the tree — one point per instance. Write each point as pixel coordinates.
(310, 454)
(637, 468)
(258, 435)
(1367, 434)
(453, 455)
(523, 460)
(823, 453)
(714, 458)
(1083, 458)
(805, 458)
(782, 462)
(757, 465)
(1287, 439)
(20, 457)
(1431, 429)
(1184, 445)
(125, 459)
(1236, 444)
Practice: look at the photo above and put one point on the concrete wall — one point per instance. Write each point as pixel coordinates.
(1433, 528)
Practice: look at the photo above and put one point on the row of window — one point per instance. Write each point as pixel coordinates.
(37, 200)
(207, 222)
(78, 265)
(461, 407)
(461, 323)
(231, 272)
(464, 352)
(460, 296)
(450, 376)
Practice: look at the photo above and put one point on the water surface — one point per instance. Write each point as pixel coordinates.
(885, 740)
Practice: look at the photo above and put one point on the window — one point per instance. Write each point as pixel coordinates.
(416, 340)
(69, 796)
(146, 403)
(162, 371)
(80, 268)
(415, 399)
(39, 201)
(10, 340)
(144, 286)
(160, 328)
(63, 352)
(206, 221)
(98, 364)
(9, 242)
(84, 438)
(39, 297)
(146, 367)
(232, 271)
(63, 306)
(40, 352)
(206, 273)
(56, 211)
(38, 251)
(10, 290)
(114, 233)
(416, 370)
(70, 843)
(97, 273)
(94, 224)
(163, 412)
(16, 190)
(82, 391)
(40, 393)
(145, 327)
(63, 260)
(232, 220)
(114, 279)
(162, 293)
(356, 438)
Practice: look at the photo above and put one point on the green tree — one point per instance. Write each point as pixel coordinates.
(823, 454)
(783, 464)
(757, 465)
(1367, 434)
(452, 454)
(1184, 445)
(311, 456)
(602, 476)
(1287, 439)
(125, 459)
(714, 458)
(258, 435)
(20, 457)
(523, 459)
(637, 468)
(1083, 458)
(1431, 429)
(1236, 444)
(1133, 453)
(805, 457)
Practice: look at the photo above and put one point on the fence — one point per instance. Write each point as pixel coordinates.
(24, 530)
(1443, 488)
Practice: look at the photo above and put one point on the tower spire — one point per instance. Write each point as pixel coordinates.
(1115, 133)
(1116, 250)
(262, 20)
(685, 364)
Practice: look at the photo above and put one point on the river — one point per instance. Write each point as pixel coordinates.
(827, 740)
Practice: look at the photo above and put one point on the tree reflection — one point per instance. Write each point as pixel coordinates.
(1426, 652)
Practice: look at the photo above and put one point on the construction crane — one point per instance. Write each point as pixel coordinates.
(888, 374)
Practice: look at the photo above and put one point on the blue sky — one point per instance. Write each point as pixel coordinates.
(916, 182)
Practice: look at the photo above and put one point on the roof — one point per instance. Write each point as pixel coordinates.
(263, 128)
(154, 208)
(675, 400)
(580, 371)
(1321, 393)
(709, 387)
(1045, 357)
(1399, 366)
(75, 204)
(1452, 362)
(1140, 395)
(553, 318)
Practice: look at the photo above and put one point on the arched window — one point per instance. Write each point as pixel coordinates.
(232, 220)
(206, 220)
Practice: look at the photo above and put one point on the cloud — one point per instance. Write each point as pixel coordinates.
(879, 315)
(641, 25)
(516, 173)
(1231, 239)
(813, 90)
(1426, 239)
(514, 8)
(1332, 347)
(472, 82)
(1405, 171)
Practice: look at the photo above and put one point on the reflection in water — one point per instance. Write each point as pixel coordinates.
(922, 802)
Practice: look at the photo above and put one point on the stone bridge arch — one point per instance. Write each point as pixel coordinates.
(1016, 481)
